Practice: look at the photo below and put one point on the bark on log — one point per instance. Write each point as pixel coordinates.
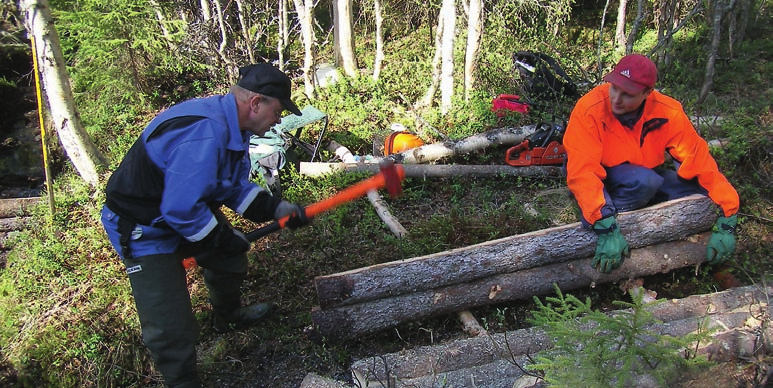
(436, 151)
(14, 223)
(371, 316)
(14, 207)
(432, 170)
(668, 221)
(733, 311)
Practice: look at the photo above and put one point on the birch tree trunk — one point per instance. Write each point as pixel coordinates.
(344, 42)
(305, 9)
(641, 15)
(448, 13)
(379, 40)
(620, 28)
(206, 12)
(81, 150)
(435, 78)
(284, 33)
(474, 32)
(720, 9)
(230, 68)
(244, 22)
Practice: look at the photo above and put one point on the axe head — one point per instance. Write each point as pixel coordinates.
(393, 177)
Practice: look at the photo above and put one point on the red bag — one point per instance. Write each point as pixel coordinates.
(508, 103)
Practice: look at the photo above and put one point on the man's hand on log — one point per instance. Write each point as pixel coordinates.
(611, 248)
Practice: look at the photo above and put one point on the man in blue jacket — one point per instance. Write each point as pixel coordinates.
(163, 205)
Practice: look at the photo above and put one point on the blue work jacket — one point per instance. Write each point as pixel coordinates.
(205, 164)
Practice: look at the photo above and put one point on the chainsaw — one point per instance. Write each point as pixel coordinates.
(541, 148)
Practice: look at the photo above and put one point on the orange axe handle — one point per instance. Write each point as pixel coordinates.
(384, 179)
(390, 178)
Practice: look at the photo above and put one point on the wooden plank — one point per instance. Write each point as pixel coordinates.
(433, 170)
(668, 221)
(350, 321)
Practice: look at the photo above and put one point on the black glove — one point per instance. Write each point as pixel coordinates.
(227, 240)
(297, 214)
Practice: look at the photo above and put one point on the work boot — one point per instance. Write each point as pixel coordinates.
(242, 317)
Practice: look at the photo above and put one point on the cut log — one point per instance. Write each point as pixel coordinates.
(433, 170)
(734, 311)
(668, 221)
(436, 151)
(14, 207)
(350, 321)
(14, 223)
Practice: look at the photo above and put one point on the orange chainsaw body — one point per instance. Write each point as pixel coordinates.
(553, 153)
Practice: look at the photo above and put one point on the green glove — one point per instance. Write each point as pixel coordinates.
(611, 248)
(721, 245)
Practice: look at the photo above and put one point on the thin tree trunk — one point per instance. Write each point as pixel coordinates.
(474, 32)
(305, 11)
(284, 33)
(435, 77)
(620, 28)
(222, 54)
(377, 63)
(599, 66)
(344, 42)
(720, 10)
(448, 13)
(206, 12)
(641, 15)
(244, 23)
(81, 150)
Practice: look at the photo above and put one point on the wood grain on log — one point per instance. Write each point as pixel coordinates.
(668, 221)
(371, 316)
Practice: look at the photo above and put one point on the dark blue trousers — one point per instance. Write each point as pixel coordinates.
(629, 187)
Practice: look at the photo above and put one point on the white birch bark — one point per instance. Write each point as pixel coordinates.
(435, 78)
(474, 32)
(377, 63)
(304, 9)
(206, 12)
(80, 149)
(448, 13)
(620, 28)
(344, 42)
(284, 33)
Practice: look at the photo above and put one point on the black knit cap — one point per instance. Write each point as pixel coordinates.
(266, 79)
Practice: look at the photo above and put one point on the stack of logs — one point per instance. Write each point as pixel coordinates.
(663, 237)
(14, 215)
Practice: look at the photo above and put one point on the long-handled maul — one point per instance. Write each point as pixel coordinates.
(389, 177)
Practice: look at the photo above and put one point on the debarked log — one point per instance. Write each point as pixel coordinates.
(669, 221)
(734, 314)
(315, 169)
(350, 321)
(491, 138)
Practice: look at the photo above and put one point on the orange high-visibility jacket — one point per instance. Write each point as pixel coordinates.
(595, 139)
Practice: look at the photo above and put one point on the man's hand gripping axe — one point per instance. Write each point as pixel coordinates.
(390, 177)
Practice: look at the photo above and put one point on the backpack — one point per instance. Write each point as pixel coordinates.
(543, 77)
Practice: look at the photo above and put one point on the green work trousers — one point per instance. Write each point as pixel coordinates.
(169, 327)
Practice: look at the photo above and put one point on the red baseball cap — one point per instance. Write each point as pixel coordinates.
(633, 73)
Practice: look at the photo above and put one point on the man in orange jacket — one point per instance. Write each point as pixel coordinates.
(616, 141)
